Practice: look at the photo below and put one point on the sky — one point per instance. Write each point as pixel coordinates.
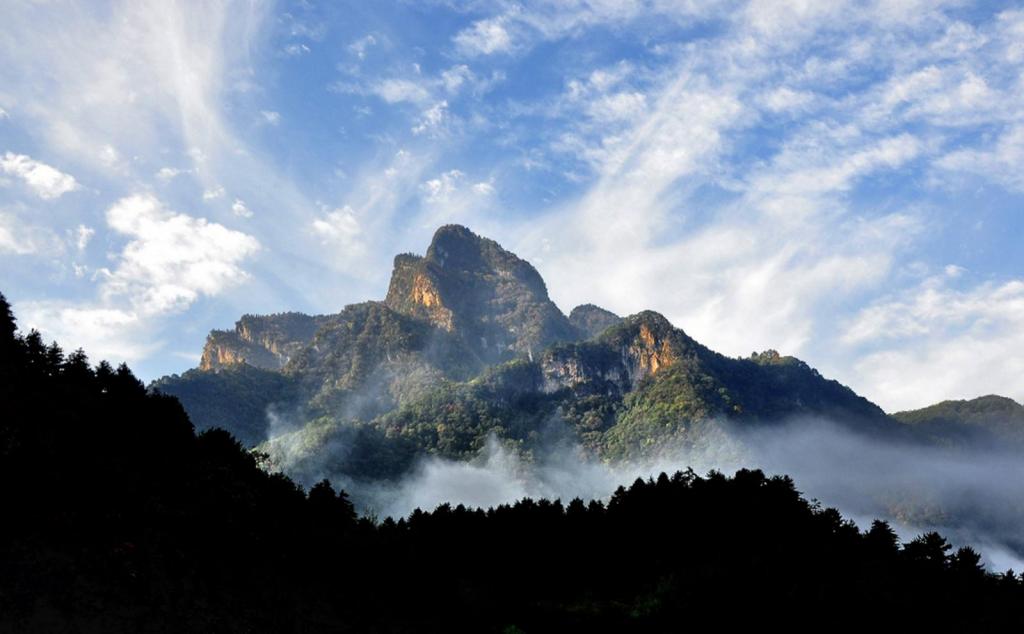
(839, 181)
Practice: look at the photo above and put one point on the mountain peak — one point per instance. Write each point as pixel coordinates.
(592, 320)
(456, 246)
(471, 286)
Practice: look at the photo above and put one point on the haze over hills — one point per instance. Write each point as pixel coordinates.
(468, 346)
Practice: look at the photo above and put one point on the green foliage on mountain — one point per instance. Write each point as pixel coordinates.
(992, 420)
(369, 358)
(454, 420)
(238, 398)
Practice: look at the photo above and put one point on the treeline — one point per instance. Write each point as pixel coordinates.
(118, 517)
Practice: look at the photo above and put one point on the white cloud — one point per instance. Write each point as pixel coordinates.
(440, 189)
(1000, 163)
(18, 237)
(340, 229)
(362, 45)
(271, 117)
(83, 235)
(47, 182)
(104, 333)
(1011, 34)
(935, 342)
(810, 170)
(109, 155)
(150, 77)
(959, 39)
(787, 23)
(484, 38)
(172, 258)
(455, 77)
(9, 241)
(484, 188)
(167, 174)
(620, 106)
(3, 114)
(784, 99)
(295, 50)
(374, 212)
(213, 193)
(400, 90)
(949, 95)
(240, 210)
(433, 118)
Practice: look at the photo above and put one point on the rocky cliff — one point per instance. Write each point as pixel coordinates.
(262, 341)
(469, 285)
(623, 355)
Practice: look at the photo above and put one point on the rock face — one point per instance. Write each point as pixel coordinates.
(625, 353)
(592, 320)
(262, 341)
(468, 285)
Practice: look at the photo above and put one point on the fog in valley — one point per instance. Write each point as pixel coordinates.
(971, 496)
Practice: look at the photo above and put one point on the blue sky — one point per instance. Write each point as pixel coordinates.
(841, 181)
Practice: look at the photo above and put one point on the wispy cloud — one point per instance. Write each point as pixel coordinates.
(47, 182)
(169, 262)
(484, 38)
(999, 162)
(936, 341)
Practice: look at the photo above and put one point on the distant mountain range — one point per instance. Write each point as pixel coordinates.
(467, 345)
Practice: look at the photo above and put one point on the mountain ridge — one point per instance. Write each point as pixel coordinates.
(991, 420)
(468, 345)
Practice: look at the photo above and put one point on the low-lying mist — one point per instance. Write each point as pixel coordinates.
(971, 496)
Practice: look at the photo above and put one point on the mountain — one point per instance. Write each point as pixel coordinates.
(468, 345)
(990, 420)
